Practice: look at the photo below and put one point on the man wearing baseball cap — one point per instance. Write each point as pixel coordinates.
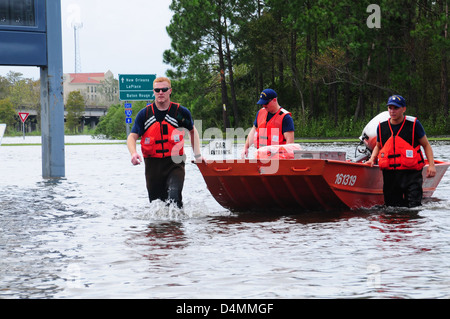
(399, 155)
(273, 125)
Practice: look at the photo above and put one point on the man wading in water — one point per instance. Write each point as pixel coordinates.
(161, 127)
(399, 156)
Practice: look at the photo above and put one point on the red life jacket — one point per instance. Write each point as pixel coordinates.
(162, 139)
(269, 133)
(396, 152)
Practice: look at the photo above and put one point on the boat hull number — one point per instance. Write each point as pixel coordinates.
(345, 179)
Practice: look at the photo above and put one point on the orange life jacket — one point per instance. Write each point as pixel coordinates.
(162, 139)
(269, 133)
(398, 151)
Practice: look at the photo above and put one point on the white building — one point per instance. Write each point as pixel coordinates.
(98, 89)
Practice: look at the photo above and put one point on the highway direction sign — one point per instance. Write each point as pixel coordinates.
(136, 87)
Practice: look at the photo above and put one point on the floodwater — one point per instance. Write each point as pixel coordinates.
(93, 234)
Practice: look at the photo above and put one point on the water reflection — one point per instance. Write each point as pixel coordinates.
(313, 217)
(396, 225)
(166, 235)
(158, 238)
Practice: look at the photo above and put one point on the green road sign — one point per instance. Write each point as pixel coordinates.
(136, 87)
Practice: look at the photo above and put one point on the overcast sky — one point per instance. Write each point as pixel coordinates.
(124, 36)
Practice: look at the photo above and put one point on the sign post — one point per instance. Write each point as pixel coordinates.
(128, 120)
(52, 102)
(23, 116)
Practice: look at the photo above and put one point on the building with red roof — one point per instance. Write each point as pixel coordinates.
(98, 89)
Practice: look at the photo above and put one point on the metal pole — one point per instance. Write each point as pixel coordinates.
(127, 124)
(52, 101)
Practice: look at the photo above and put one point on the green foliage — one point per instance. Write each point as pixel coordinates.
(112, 125)
(329, 68)
(75, 107)
(21, 92)
(4, 87)
(307, 126)
(7, 114)
(435, 126)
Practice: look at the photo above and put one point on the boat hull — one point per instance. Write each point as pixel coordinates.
(299, 184)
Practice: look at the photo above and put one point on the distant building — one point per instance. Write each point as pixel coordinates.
(98, 89)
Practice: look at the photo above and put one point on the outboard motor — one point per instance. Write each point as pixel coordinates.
(369, 133)
(368, 137)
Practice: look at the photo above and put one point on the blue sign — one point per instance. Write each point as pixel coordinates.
(127, 105)
(30, 35)
(128, 113)
(128, 120)
(23, 32)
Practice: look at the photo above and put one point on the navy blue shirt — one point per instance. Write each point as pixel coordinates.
(287, 125)
(139, 122)
(419, 131)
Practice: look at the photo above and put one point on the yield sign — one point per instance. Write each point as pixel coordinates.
(23, 116)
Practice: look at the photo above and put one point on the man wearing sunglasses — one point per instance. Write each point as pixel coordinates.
(161, 127)
(273, 125)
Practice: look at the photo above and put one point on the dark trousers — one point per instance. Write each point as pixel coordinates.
(402, 188)
(165, 179)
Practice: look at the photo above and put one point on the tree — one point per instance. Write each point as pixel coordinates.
(7, 113)
(75, 107)
(24, 93)
(4, 87)
(203, 32)
(112, 125)
(108, 91)
(329, 64)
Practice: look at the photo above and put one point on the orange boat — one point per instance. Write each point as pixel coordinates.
(311, 181)
(286, 177)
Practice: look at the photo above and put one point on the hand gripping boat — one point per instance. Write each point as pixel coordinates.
(295, 179)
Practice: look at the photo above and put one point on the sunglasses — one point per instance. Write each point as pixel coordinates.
(163, 89)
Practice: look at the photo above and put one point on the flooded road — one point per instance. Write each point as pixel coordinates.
(94, 234)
